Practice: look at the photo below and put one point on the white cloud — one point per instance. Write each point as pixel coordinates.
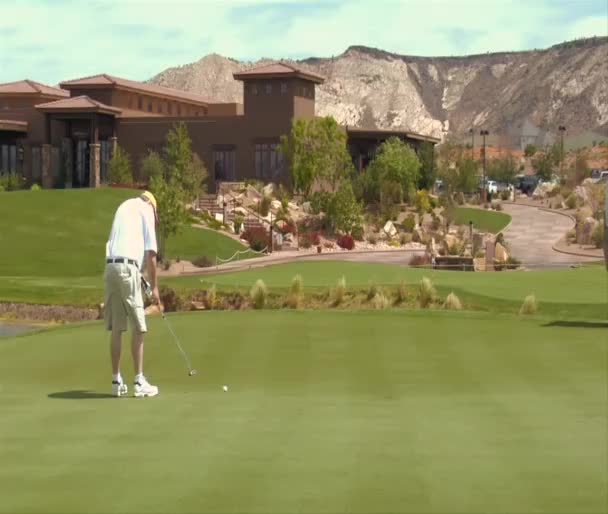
(60, 40)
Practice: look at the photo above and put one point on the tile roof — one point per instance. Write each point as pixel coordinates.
(13, 125)
(78, 103)
(279, 69)
(108, 80)
(31, 87)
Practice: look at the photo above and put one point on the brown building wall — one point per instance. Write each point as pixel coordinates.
(227, 109)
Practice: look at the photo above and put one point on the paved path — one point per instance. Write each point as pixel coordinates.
(532, 234)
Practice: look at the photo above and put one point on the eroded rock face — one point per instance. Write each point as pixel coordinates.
(370, 88)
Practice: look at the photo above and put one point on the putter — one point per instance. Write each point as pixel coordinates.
(147, 290)
(191, 372)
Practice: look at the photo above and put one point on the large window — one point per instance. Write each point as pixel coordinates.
(8, 158)
(268, 160)
(224, 159)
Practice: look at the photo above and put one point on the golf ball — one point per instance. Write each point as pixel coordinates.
(225, 388)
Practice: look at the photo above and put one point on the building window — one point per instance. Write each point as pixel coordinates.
(150, 106)
(179, 110)
(170, 108)
(130, 101)
(283, 88)
(8, 158)
(140, 103)
(224, 159)
(268, 160)
(268, 88)
(254, 89)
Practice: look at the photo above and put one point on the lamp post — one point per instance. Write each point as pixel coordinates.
(484, 133)
(472, 132)
(561, 129)
(224, 212)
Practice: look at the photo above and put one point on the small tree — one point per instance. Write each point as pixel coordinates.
(119, 167)
(344, 211)
(466, 176)
(530, 150)
(395, 161)
(543, 165)
(502, 169)
(316, 152)
(428, 166)
(171, 212)
(152, 165)
(178, 153)
(194, 178)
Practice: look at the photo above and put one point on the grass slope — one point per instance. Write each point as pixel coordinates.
(484, 220)
(53, 243)
(361, 412)
(579, 293)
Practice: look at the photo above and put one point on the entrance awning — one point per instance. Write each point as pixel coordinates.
(78, 104)
(13, 126)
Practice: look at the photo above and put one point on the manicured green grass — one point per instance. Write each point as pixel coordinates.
(578, 293)
(53, 243)
(484, 220)
(362, 412)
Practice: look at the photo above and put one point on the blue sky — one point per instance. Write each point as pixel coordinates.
(56, 40)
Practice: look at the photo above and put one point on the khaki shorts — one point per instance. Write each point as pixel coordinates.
(123, 298)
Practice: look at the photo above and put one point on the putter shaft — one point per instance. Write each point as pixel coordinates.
(175, 338)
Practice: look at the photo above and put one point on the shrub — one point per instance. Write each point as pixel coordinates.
(171, 300)
(258, 238)
(166, 264)
(339, 292)
(597, 236)
(357, 233)
(329, 245)
(498, 207)
(372, 290)
(452, 302)
(455, 248)
(416, 237)
(372, 239)
(426, 292)
(571, 201)
(294, 297)
(346, 241)
(401, 293)
(423, 203)
(265, 206)
(380, 301)
(238, 223)
(308, 239)
(119, 167)
(258, 294)
(420, 260)
(35, 187)
(211, 297)
(512, 263)
(405, 238)
(530, 306)
(409, 223)
(571, 234)
(505, 195)
(202, 262)
(436, 223)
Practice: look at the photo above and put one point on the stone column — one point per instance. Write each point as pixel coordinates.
(113, 144)
(490, 250)
(94, 164)
(45, 157)
(67, 160)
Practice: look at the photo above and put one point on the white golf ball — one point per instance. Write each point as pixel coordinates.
(225, 388)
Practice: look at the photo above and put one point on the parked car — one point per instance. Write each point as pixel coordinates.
(601, 176)
(527, 183)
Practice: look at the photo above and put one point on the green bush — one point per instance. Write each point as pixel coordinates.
(409, 223)
(372, 239)
(401, 293)
(357, 233)
(119, 168)
(597, 236)
(426, 293)
(265, 206)
(202, 262)
(505, 195)
(452, 302)
(405, 238)
(572, 201)
(339, 292)
(35, 187)
(530, 306)
(259, 294)
(238, 223)
(372, 290)
(423, 204)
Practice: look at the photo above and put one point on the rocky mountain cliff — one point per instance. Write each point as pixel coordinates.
(566, 84)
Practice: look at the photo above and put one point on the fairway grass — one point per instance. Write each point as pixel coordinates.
(484, 220)
(361, 412)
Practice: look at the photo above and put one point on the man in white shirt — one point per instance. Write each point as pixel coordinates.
(132, 243)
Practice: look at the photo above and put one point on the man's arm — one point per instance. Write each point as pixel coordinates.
(151, 271)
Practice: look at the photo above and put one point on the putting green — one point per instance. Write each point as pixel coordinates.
(327, 412)
(483, 219)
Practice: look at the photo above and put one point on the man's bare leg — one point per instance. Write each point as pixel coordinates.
(115, 347)
(137, 351)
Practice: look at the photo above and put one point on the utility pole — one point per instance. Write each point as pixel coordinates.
(484, 133)
(561, 129)
(472, 132)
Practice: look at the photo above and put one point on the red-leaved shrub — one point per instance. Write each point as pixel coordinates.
(346, 241)
(257, 237)
(420, 260)
(308, 239)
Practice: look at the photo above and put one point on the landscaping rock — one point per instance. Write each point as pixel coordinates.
(219, 217)
(240, 210)
(197, 306)
(293, 206)
(268, 189)
(500, 253)
(585, 230)
(252, 193)
(389, 229)
(307, 208)
(275, 205)
(543, 189)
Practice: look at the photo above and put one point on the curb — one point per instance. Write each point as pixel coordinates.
(576, 254)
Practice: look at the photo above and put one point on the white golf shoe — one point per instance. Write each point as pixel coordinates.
(143, 388)
(119, 388)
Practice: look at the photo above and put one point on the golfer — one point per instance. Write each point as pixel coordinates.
(132, 244)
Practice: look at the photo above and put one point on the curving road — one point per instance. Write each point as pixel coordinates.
(532, 234)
